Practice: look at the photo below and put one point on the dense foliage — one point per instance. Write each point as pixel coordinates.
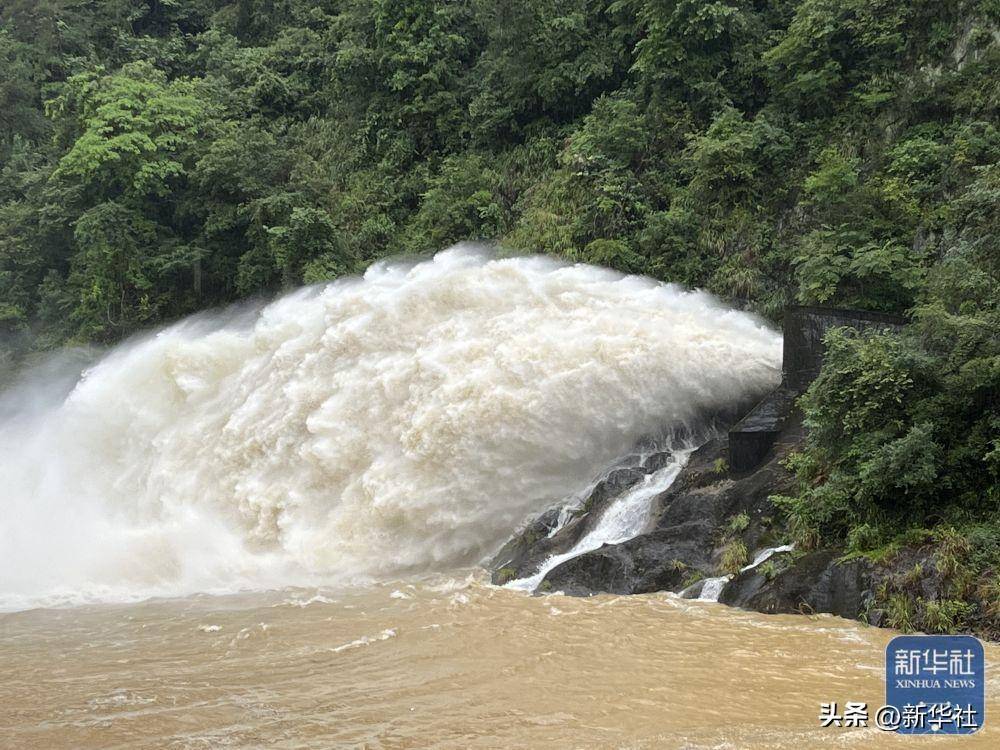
(904, 434)
(160, 157)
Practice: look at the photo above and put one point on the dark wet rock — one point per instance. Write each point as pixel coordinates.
(689, 531)
(693, 591)
(657, 461)
(707, 492)
(525, 549)
(660, 561)
(528, 549)
(815, 582)
(616, 482)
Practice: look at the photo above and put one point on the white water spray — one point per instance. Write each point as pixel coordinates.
(407, 420)
(624, 518)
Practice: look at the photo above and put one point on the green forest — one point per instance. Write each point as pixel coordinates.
(158, 158)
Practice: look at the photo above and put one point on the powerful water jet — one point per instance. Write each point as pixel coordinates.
(403, 421)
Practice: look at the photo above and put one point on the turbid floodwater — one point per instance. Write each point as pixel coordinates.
(448, 663)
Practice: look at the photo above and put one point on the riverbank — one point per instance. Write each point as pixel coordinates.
(720, 530)
(711, 524)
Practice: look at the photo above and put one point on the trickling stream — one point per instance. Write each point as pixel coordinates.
(711, 588)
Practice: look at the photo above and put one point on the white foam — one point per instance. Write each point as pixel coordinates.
(408, 420)
(766, 554)
(624, 518)
(315, 599)
(711, 588)
(365, 640)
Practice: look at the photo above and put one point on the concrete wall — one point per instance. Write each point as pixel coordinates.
(751, 438)
(804, 328)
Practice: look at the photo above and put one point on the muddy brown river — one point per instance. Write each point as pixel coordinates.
(446, 663)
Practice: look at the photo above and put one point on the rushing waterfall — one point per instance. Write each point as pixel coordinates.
(406, 420)
(623, 519)
(711, 588)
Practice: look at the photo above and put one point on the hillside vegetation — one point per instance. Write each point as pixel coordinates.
(157, 158)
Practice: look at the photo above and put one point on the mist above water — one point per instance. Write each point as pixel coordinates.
(407, 420)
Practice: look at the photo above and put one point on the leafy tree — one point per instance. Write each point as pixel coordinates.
(112, 272)
(128, 133)
(462, 203)
(309, 248)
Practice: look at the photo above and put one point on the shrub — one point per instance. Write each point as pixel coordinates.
(734, 557)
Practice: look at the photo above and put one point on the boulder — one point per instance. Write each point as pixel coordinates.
(815, 582)
(524, 553)
(659, 561)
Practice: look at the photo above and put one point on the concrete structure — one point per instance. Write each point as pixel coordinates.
(804, 328)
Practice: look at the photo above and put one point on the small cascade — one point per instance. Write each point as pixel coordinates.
(711, 588)
(765, 554)
(625, 518)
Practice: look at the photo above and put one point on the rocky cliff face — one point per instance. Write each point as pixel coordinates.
(709, 523)
(712, 533)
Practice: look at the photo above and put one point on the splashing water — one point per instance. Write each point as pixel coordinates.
(623, 519)
(404, 421)
(712, 588)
